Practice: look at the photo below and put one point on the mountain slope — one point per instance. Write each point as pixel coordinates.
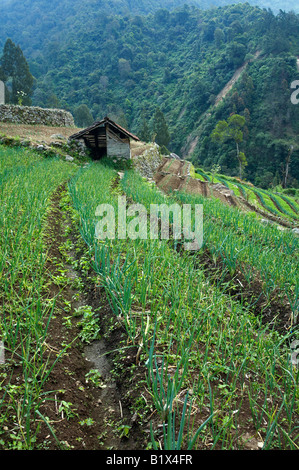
(180, 61)
(262, 95)
(124, 7)
(31, 22)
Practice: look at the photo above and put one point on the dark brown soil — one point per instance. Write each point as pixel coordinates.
(275, 312)
(110, 406)
(100, 416)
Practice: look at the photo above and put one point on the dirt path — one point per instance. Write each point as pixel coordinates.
(230, 84)
(87, 412)
(225, 90)
(233, 80)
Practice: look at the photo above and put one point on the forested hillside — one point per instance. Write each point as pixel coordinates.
(127, 66)
(262, 95)
(147, 303)
(124, 7)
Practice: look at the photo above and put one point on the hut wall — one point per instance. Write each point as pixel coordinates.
(117, 148)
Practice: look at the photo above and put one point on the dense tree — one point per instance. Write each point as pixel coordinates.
(53, 101)
(2, 75)
(160, 129)
(83, 116)
(15, 67)
(144, 131)
(179, 60)
(236, 53)
(232, 129)
(124, 68)
(218, 36)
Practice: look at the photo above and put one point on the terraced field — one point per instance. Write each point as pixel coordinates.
(202, 342)
(205, 343)
(274, 204)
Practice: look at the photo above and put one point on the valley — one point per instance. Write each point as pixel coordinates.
(178, 61)
(149, 224)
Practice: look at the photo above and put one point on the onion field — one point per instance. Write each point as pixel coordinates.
(214, 331)
(280, 205)
(26, 184)
(219, 373)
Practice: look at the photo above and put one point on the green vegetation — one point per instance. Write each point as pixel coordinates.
(26, 185)
(213, 338)
(82, 116)
(204, 338)
(179, 61)
(262, 96)
(232, 129)
(13, 66)
(200, 344)
(160, 129)
(275, 202)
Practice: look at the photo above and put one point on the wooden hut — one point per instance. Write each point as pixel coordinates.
(106, 138)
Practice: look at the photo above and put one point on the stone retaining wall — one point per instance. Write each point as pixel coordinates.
(148, 162)
(35, 115)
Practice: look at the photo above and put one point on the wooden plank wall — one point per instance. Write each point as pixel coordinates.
(118, 148)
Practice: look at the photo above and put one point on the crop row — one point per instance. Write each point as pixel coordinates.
(277, 204)
(26, 186)
(241, 241)
(207, 356)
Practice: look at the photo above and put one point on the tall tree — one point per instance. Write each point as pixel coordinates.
(287, 166)
(14, 66)
(232, 130)
(160, 128)
(144, 130)
(83, 116)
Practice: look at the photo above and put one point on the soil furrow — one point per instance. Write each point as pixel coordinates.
(91, 387)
